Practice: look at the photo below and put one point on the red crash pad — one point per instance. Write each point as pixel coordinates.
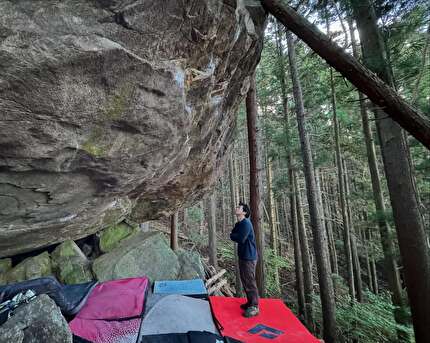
(275, 323)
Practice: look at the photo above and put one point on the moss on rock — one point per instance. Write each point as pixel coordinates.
(113, 235)
(70, 264)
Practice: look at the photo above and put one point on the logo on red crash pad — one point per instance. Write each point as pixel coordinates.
(265, 331)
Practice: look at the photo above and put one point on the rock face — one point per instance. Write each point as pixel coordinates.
(147, 253)
(70, 264)
(38, 321)
(110, 108)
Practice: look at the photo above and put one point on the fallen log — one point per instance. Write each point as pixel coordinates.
(217, 287)
(215, 277)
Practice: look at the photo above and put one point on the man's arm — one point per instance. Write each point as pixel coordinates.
(240, 233)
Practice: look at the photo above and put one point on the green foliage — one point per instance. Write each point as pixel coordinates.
(226, 250)
(368, 322)
(273, 264)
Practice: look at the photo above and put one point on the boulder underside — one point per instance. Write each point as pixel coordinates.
(115, 108)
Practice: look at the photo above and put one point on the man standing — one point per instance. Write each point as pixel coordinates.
(243, 235)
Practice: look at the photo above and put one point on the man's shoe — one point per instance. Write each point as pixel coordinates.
(251, 311)
(244, 306)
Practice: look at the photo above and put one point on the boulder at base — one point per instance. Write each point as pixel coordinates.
(149, 254)
(31, 268)
(191, 265)
(146, 253)
(39, 321)
(70, 264)
(5, 265)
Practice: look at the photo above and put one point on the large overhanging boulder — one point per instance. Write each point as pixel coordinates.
(115, 108)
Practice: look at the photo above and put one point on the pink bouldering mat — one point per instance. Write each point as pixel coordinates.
(113, 312)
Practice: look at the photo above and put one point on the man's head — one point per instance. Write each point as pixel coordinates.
(242, 211)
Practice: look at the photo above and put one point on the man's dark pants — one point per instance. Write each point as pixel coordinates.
(247, 276)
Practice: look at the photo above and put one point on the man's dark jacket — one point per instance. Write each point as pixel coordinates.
(243, 234)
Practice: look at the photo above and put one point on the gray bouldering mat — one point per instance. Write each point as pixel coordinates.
(178, 314)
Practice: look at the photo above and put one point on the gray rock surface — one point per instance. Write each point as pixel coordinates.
(5, 265)
(149, 254)
(39, 321)
(111, 108)
(146, 253)
(31, 268)
(191, 265)
(70, 264)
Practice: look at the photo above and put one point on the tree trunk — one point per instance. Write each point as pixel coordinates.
(340, 172)
(224, 220)
(272, 220)
(202, 219)
(367, 257)
(407, 217)
(329, 228)
(374, 276)
(297, 250)
(212, 231)
(377, 90)
(254, 182)
(321, 210)
(174, 231)
(278, 227)
(293, 193)
(373, 264)
(319, 239)
(306, 257)
(355, 258)
(272, 213)
(239, 179)
(390, 263)
(284, 226)
(334, 208)
(243, 160)
(185, 221)
(234, 202)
